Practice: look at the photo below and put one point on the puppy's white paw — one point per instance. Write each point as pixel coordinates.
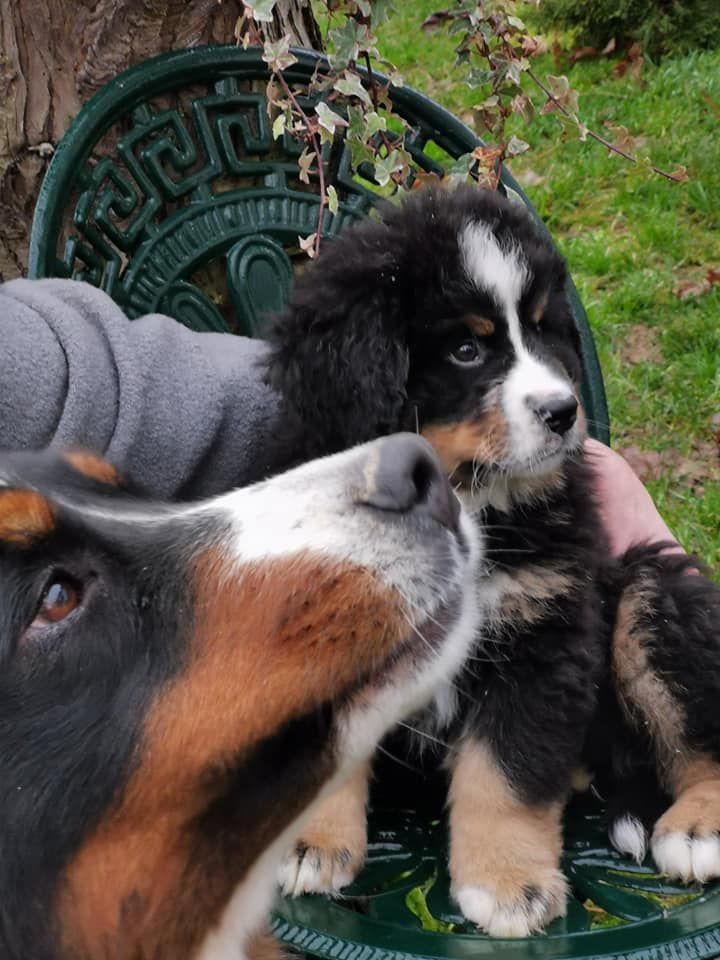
(311, 869)
(515, 913)
(629, 836)
(683, 856)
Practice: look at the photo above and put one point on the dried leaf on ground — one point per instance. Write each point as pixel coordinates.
(700, 465)
(631, 64)
(640, 345)
(583, 53)
(697, 285)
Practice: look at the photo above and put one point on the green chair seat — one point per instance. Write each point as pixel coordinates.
(400, 907)
(169, 192)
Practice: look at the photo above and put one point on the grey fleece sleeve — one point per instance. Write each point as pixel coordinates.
(182, 414)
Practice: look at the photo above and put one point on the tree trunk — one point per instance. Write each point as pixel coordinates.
(55, 54)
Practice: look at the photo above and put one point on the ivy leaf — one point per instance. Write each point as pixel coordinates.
(385, 167)
(516, 146)
(305, 162)
(277, 54)
(680, 175)
(478, 77)
(381, 10)
(332, 199)
(517, 23)
(351, 85)
(348, 41)
(459, 169)
(523, 105)
(328, 119)
(563, 96)
(307, 244)
(374, 123)
(279, 126)
(260, 10)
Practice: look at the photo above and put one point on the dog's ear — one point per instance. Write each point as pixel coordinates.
(339, 354)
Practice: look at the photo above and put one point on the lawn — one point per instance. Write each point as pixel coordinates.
(631, 239)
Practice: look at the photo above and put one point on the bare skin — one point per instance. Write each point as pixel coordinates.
(627, 510)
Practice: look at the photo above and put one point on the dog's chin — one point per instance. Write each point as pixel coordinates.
(544, 461)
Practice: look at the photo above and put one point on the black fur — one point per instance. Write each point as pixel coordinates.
(362, 350)
(74, 697)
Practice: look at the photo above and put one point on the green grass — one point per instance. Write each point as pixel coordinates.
(629, 238)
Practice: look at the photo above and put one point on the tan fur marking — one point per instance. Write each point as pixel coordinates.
(483, 439)
(25, 516)
(539, 309)
(335, 839)
(92, 466)
(530, 591)
(640, 690)
(480, 326)
(496, 841)
(696, 810)
(263, 946)
(270, 643)
(339, 823)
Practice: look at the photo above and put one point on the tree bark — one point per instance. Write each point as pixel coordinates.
(55, 54)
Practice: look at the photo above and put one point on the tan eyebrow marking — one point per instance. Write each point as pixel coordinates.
(92, 466)
(479, 325)
(539, 309)
(25, 516)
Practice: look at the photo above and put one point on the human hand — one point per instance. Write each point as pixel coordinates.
(626, 508)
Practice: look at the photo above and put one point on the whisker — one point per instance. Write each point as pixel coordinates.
(423, 733)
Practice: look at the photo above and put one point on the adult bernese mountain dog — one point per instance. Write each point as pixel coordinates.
(449, 316)
(178, 684)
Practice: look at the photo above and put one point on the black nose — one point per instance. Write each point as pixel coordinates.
(407, 476)
(557, 412)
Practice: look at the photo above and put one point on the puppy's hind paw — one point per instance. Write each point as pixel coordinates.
(530, 910)
(311, 869)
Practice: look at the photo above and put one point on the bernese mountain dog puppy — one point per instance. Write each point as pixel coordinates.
(449, 316)
(179, 684)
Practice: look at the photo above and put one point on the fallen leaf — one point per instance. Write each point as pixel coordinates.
(647, 464)
(700, 465)
(698, 285)
(631, 64)
(640, 345)
(583, 53)
(609, 47)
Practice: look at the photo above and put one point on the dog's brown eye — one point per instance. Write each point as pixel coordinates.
(465, 352)
(62, 595)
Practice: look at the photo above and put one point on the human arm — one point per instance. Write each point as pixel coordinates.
(179, 413)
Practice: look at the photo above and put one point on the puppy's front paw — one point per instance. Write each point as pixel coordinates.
(686, 839)
(515, 911)
(309, 868)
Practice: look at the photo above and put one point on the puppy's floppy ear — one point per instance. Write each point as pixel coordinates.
(339, 354)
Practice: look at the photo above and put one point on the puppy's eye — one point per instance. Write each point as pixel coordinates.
(466, 352)
(61, 596)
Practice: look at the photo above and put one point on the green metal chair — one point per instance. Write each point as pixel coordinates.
(169, 192)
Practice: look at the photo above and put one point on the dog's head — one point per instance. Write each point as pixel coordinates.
(448, 316)
(178, 684)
